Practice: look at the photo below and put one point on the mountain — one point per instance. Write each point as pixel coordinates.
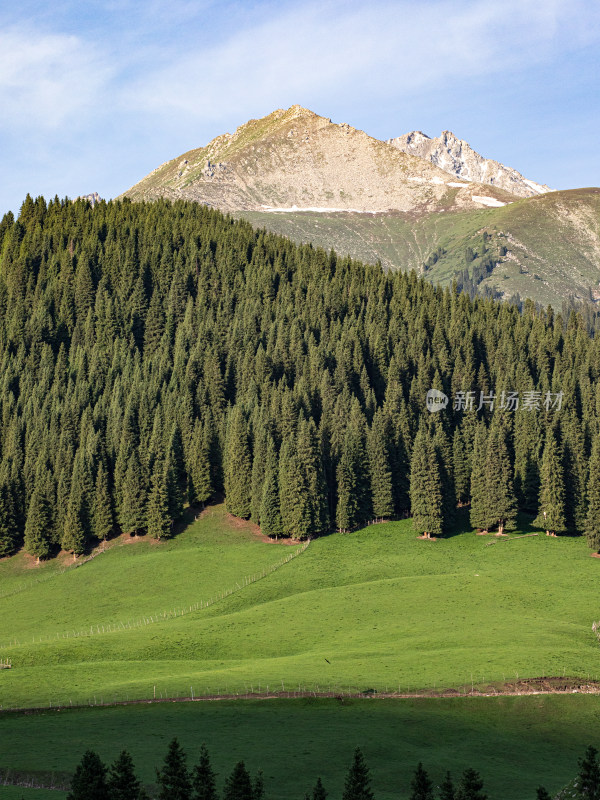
(457, 157)
(303, 176)
(296, 159)
(94, 198)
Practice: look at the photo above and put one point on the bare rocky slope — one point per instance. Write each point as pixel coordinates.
(457, 157)
(294, 159)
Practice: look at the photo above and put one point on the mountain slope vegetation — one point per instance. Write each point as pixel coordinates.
(157, 354)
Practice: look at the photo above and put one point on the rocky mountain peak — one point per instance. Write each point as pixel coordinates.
(458, 158)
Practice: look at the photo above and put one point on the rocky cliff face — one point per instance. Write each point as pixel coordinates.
(458, 158)
(295, 160)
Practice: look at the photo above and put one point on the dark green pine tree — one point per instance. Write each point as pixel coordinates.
(122, 781)
(259, 458)
(294, 504)
(270, 513)
(551, 507)
(172, 478)
(462, 468)
(447, 788)
(358, 780)
(501, 499)
(425, 487)
(238, 785)
(102, 511)
(173, 779)
(132, 513)
(200, 485)
(38, 526)
(238, 466)
(382, 494)
(347, 512)
(9, 533)
(258, 786)
(421, 787)
(588, 778)
(313, 477)
(479, 514)
(443, 450)
(319, 792)
(204, 778)
(89, 781)
(592, 522)
(542, 794)
(470, 786)
(158, 520)
(73, 537)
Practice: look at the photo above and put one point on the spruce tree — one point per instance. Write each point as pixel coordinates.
(238, 785)
(470, 786)
(158, 520)
(200, 478)
(425, 487)
(8, 529)
(347, 511)
(258, 786)
(294, 503)
(132, 512)
(479, 514)
(501, 500)
(447, 788)
(421, 788)
(38, 526)
(102, 512)
(588, 778)
(319, 792)
(592, 522)
(551, 508)
(542, 794)
(73, 536)
(89, 781)
(174, 779)
(238, 466)
(270, 513)
(203, 778)
(122, 781)
(358, 780)
(380, 468)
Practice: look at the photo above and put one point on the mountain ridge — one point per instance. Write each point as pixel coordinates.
(458, 158)
(294, 159)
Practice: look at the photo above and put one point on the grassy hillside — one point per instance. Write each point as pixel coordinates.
(516, 743)
(552, 242)
(374, 609)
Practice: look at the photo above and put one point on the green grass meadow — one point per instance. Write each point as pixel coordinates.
(515, 742)
(374, 609)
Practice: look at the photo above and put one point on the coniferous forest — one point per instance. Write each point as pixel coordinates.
(155, 355)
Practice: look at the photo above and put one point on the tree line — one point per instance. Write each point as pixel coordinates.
(159, 354)
(176, 781)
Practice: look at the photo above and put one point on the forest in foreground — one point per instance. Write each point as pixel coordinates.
(158, 354)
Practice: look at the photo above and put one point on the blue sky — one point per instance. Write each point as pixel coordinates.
(94, 95)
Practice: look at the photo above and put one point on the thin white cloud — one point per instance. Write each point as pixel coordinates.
(47, 80)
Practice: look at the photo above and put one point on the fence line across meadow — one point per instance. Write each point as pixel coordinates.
(98, 628)
(279, 690)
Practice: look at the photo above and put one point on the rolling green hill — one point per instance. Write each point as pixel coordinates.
(546, 247)
(375, 609)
